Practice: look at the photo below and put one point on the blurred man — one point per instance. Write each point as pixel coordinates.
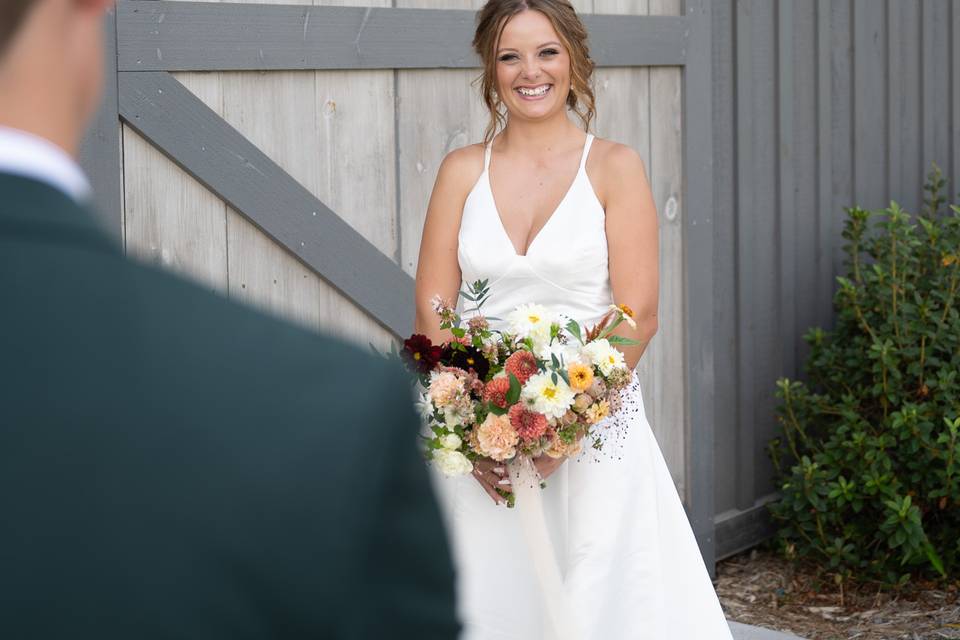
(172, 464)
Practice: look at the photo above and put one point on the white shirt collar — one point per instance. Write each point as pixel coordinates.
(31, 156)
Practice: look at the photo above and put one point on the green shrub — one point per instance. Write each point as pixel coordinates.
(868, 457)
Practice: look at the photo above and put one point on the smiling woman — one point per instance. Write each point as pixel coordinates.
(548, 213)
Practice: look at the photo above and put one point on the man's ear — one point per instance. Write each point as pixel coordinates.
(93, 6)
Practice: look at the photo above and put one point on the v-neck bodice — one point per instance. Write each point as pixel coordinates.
(565, 266)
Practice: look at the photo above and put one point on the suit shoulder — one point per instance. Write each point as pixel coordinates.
(199, 323)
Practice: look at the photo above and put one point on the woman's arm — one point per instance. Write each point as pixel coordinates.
(438, 271)
(632, 241)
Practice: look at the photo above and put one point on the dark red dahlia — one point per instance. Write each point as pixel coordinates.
(421, 354)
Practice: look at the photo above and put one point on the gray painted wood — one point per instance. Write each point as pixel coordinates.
(801, 283)
(936, 85)
(854, 115)
(666, 175)
(825, 211)
(100, 148)
(724, 277)
(955, 122)
(905, 168)
(746, 289)
(698, 243)
(869, 105)
(171, 220)
(786, 178)
(164, 112)
(156, 35)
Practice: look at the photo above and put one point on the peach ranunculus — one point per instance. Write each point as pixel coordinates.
(445, 388)
(497, 438)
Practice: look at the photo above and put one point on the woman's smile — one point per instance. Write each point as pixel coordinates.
(534, 93)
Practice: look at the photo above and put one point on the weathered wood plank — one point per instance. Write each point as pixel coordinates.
(955, 145)
(100, 148)
(825, 204)
(698, 286)
(786, 190)
(726, 310)
(804, 62)
(936, 85)
(869, 104)
(905, 169)
(171, 220)
(841, 127)
(746, 288)
(667, 182)
(247, 180)
(157, 35)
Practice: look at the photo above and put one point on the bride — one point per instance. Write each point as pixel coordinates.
(549, 214)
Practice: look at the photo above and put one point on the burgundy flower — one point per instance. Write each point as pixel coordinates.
(466, 359)
(420, 353)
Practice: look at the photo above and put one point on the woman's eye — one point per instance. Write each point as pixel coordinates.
(511, 56)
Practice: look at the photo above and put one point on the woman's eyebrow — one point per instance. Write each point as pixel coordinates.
(538, 47)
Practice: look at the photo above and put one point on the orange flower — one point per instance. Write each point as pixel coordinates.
(581, 376)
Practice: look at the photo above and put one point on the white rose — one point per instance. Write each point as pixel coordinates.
(451, 441)
(452, 463)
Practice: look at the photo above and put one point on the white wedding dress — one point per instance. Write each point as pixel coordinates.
(627, 557)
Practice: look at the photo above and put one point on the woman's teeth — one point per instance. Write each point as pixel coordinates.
(539, 91)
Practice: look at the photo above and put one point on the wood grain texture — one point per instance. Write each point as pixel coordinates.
(172, 36)
(171, 219)
(316, 143)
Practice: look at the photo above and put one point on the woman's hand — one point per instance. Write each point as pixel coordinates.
(492, 475)
(546, 465)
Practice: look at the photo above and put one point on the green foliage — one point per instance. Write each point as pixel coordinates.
(868, 460)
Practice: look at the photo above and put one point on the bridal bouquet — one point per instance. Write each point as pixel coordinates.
(538, 387)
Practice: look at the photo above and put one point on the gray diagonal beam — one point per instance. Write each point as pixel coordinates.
(194, 137)
(202, 36)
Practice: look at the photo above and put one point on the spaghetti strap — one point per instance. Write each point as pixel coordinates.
(586, 151)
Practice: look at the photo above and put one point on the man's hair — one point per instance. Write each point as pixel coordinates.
(12, 13)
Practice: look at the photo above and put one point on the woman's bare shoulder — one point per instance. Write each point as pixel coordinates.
(461, 167)
(611, 165)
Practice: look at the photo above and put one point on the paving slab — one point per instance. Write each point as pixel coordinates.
(748, 632)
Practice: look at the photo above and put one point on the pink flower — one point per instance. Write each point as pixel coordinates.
(521, 364)
(445, 388)
(496, 391)
(496, 437)
(529, 425)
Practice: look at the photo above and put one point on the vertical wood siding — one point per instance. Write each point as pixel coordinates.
(818, 105)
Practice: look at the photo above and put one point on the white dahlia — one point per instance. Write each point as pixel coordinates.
(543, 395)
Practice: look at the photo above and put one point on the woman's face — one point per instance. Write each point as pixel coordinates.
(533, 68)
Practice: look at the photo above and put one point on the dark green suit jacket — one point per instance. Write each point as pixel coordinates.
(174, 465)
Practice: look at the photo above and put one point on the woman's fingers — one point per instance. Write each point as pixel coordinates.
(490, 481)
